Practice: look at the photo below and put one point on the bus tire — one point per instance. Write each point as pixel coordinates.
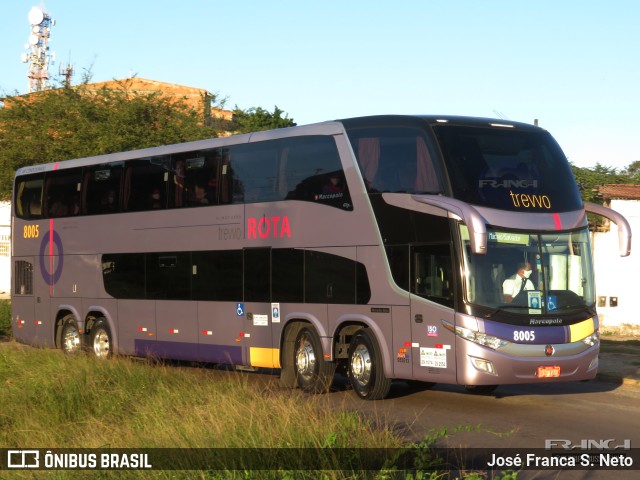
(70, 337)
(313, 373)
(100, 342)
(366, 372)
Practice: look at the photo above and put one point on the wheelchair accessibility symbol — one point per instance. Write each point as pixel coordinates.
(240, 309)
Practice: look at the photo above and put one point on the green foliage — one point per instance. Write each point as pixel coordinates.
(256, 119)
(589, 179)
(76, 122)
(5, 318)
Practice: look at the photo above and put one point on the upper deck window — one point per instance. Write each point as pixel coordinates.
(395, 159)
(509, 169)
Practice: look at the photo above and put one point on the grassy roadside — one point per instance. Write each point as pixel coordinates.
(53, 401)
(5, 319)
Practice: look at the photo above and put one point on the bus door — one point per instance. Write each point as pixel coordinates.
(257, 334)
(433, 346)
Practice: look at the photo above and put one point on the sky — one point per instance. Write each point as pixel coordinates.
(572, 64)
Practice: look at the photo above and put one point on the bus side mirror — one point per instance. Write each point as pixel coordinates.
(624, 229)
(475, 222)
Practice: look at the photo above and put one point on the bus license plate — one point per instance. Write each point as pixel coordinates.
(548, 372)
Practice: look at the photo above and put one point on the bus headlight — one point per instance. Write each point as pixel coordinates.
(592, 339)
(477, 337)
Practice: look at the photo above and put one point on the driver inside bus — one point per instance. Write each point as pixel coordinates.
(512, 286)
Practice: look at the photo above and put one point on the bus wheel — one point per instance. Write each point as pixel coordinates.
(365, 367)
(481, 389)
(71, 340)
(100, 343)
(314, 374)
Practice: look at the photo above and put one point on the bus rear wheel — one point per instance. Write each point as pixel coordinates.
(313, 373)
(366, 372)
(70, 337)
(100, 340)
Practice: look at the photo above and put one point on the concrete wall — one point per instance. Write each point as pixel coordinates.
(618, 278)
(5, 249)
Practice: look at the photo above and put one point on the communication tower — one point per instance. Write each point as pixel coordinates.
(38, 56)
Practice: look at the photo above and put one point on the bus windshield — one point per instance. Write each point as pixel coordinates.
(530, 272)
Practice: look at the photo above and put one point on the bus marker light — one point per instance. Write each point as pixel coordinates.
(38, 322)
(174, 330)
(142, 329)
(407, 344)
(20, 322)
(207, 332)
(438, 345)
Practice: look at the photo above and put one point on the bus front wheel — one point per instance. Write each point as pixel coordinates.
(71, 340)
(366, 372)
(313, 373)
(100, 343)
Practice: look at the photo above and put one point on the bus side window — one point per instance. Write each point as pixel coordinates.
(196, 178)
(101, 189)
(146, 184)
(432, 273)
(62, 193)
(310, 170)
(255, 172)
(28, 201)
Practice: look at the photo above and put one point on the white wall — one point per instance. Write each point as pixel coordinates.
(618, 276)
(5, 248)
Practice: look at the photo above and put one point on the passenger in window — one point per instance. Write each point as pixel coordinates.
(333, 186)
(108, 203)
(75, 205)
(59, 209)
(156, 202)
(200, 194)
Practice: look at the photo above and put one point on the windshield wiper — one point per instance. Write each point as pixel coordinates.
(503, 307)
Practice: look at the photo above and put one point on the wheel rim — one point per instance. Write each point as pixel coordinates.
(71, 340)
(306, 358)
(361, 365)
(101, 344)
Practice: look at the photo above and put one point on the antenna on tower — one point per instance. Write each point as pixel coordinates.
(38, 56)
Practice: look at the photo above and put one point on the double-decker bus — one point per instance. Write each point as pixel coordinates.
(424, 248)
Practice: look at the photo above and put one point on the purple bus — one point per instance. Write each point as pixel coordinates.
(422, 248)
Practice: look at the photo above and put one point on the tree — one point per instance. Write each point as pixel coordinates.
(633, 172)
(75, 122)
(589, 179)
(255, 119)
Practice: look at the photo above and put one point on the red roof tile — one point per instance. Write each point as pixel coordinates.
(620, 191)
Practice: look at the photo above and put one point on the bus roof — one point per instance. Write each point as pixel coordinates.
(334, 127)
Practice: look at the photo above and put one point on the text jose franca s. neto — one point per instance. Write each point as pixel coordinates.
(532, 460)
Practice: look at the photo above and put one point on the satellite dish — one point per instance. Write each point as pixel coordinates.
(33, 39)
(36, 16)
(35, 29)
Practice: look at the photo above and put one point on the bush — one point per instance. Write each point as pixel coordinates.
(5, 318)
